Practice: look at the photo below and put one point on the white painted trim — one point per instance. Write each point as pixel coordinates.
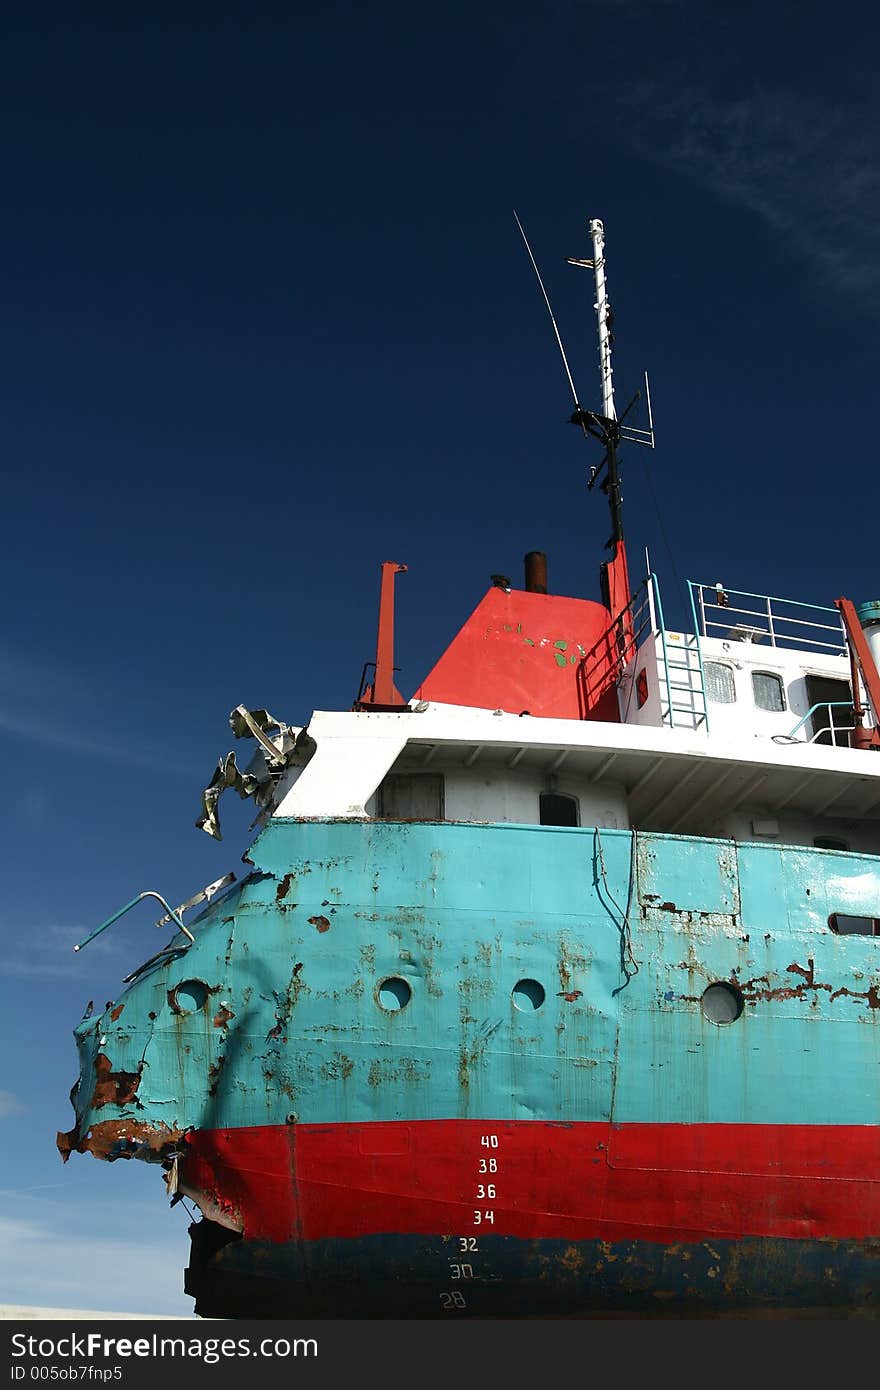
(355, 750)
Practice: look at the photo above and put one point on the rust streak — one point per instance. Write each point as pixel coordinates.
(751, 993)
(215, 1071)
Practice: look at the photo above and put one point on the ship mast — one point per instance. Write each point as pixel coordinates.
(608, 430)
(606, 427)
(603, 311)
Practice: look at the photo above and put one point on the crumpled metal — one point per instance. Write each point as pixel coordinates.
(269, 761)
(228, 774)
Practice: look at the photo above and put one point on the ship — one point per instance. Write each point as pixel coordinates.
(549, 990)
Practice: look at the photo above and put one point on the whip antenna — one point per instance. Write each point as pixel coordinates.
(549, 311)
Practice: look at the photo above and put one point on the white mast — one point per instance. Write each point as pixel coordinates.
(603, 310)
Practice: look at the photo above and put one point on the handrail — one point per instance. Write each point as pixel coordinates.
(782, 628)
(832, 727)
(652, 580)
(602, 666)
(128, 906)
(698, 715)
(699, 657)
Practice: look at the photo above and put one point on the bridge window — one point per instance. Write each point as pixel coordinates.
(768, 690)
(853, 926)
(719, 683)
(558, 809)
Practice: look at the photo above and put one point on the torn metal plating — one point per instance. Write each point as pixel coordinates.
(111, 1139)
(260, 778)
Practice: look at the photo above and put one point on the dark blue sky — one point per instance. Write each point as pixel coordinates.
(267, 321)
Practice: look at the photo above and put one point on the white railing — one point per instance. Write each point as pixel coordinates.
(680, 668)
(833, 728)
(755, 617)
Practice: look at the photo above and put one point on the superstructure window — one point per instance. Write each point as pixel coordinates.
(411, 796)
(843, 925)
(720, 688)
(558, 809)
(829, 842)
(768, 691)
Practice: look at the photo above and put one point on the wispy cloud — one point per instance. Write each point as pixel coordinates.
(780, 120)
(69, 739)
(18, 1192)
(53, 705)
(810, 174)
(9, 1105)
(48, 954)
(60, 1268)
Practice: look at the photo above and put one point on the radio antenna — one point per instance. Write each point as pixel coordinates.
(549, 311)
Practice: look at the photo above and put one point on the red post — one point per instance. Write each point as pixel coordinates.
(858, 645)
(383, 693)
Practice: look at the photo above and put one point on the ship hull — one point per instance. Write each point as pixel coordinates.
(409, 1220)
(426, 1069)
(397, 1277)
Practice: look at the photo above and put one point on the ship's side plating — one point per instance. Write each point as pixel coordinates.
(417, 1067)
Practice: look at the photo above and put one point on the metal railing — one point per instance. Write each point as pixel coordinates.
(830, 728)
(697, 708)
(601, 667)
(737, 614)
(172, 916)
(683, 687)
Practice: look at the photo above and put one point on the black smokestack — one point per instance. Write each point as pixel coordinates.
(536, 572)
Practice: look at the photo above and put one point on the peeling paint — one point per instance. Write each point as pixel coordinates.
(112, 1139)
(113, 1087)
(284, 886)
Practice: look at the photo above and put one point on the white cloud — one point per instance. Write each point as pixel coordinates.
(54, 734)
(50, 1267)
(9, 1105)
(809, 174)
(48, 953)
(801, 157)
(54, 705)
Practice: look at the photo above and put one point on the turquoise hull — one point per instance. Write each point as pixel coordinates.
(377, 1001)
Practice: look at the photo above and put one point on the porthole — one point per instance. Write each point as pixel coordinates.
(393, 994)
(528, 995)
(189, 996)
(722, 1002)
